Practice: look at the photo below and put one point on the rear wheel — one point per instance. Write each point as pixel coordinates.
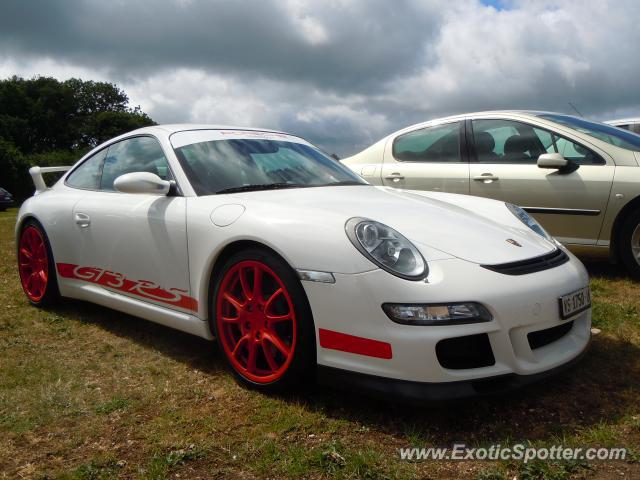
(36, 266)
(263, 322)
(629, 243)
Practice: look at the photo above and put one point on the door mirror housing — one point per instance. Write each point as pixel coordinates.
(552, 160)
(557, 162)
(142, 182)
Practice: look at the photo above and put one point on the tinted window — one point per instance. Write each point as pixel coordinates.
(87, 175)
(140, 154)
(635, 128)
(506, 141)
(213, 166)
(601, 131)
(433, 144)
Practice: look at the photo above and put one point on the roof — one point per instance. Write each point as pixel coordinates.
(180, 127)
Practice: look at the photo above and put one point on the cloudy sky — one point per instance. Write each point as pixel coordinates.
(342, 73)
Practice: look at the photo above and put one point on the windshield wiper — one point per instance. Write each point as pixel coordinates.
(344, 182)
(260, 186)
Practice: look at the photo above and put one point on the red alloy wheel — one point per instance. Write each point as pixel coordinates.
(256, 321)
(33, 263)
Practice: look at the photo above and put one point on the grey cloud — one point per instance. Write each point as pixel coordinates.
(340, 45)
(342, 73)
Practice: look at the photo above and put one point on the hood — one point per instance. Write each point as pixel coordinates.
(467, 232)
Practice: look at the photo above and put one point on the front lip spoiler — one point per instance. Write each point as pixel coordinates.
(434, 393)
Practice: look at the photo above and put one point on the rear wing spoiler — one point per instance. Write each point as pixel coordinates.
(36, 176)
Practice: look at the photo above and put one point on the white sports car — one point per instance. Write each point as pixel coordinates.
(296, 265)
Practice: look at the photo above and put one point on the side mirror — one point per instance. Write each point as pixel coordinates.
(142, 182)
(552, 160)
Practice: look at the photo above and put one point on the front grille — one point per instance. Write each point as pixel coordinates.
(531, 265)
(471, 351)
(545, 337)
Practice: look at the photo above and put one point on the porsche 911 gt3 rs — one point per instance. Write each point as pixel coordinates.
(297, 266)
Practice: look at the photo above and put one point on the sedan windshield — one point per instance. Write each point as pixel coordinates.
(601, 131)
(240, 165)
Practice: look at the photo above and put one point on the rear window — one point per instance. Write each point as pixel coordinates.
(439, 143)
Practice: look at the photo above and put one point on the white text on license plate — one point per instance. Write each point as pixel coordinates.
(575, 302)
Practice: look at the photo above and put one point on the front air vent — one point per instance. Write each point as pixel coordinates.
(545, 337)
(471, 351)
(531, 265)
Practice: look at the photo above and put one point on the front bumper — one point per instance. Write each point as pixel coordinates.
(419, 393)
(519, 304)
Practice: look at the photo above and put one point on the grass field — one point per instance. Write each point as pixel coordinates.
(90, 393)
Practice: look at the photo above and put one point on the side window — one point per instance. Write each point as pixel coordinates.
(635, 128)
(506, 141)
(433, 144)
(139, 154)
(87, 175)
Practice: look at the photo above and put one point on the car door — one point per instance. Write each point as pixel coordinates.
(134, 244)
(429, 158)
(569, 203)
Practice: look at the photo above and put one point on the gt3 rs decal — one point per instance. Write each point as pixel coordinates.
(140, 288)
(352, 344)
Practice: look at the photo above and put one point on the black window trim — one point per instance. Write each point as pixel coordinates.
(178, 190)
(462, 153)
(473, 154)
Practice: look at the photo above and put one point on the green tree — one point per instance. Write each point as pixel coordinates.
(44, 121)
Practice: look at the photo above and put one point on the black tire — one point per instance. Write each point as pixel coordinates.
(626, 243)
(302, 366)
(51, 292)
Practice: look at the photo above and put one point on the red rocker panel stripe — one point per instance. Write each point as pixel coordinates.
(140, 288)
(352, 344)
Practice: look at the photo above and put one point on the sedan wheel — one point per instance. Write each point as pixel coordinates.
(629, 243)
(635, 243)
(263, 332)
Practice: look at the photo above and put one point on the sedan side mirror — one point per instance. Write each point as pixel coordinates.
(142, 182)
(557, 162)
(552, 160)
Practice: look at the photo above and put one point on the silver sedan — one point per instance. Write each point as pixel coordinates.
(579, 178)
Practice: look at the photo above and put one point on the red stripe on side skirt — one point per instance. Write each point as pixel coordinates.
(352, 344)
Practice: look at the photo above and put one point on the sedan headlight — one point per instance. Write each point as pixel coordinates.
(387, 248)
(437, 314)
(528, 220)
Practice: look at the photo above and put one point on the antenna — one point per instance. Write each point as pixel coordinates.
(576, 110)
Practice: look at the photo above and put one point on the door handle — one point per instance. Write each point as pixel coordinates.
(82, 220)
(486, 178)
(395, 177)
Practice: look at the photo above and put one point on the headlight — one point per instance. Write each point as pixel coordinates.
(528, 220)
(442, 314)
(387, 248)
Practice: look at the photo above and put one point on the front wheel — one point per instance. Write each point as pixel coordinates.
(263, 322)
(36, 266)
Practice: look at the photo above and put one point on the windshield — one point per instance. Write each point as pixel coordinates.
(224, 166)
(606, 133)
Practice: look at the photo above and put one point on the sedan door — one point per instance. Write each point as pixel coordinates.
(569, 203)
(429, 158)
(135, 244)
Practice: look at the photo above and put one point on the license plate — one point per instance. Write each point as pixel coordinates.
(575, 302)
